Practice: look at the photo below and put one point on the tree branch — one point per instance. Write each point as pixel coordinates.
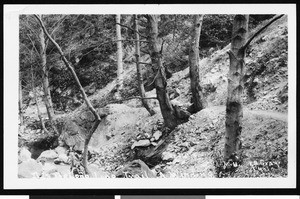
(130, 98)
(131, 29)
(88, 103)
(260, 30)
(145, 63)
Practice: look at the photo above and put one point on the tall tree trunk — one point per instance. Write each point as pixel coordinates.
(234, 109)
(36, 102)
(45, 76)
(198, 101)
(119, 56)
(20, 101)
(167, 110)
(97, 118)
(138, 68)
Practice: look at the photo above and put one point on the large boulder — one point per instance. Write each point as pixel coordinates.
(24, 154)
(29, 169)
(60, 150)
(48, 155)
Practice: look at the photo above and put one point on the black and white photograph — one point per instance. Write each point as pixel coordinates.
(148, 96)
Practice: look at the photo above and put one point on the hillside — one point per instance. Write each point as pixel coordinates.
(194, 148)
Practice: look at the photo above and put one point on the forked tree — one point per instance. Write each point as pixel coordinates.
(97, 118)
(168, 111)
(234, 108)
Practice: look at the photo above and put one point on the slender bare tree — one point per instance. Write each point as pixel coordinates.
(20, 101)
(119, 56)
(138, 68)
(45, 75)
(198, 101)
(97, 118)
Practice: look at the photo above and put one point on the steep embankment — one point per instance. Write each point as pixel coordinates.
(195, 148)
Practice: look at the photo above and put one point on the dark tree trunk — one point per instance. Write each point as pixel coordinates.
(138, 68)
(234, 109)
(198, 101)
(20, 101)
(167, 110)
(97, 118)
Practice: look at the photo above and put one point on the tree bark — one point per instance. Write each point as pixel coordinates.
(167, 110)
(45, 76)
(20, 101)
(234, 109)
(138, 68)
(97, 118)
(198, 101)
(119, 56)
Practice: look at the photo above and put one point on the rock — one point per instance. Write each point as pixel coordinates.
(168, 156)
(48, 168)
(136, 168)
(154, 143)
(62, 158)
(96, 172)
(60, 150)
(48, 155)
(157, 135)
(29, 169)
(141, 143)
(24, 154)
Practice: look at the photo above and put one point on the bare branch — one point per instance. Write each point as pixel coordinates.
(130, 98)
(131, 29)
(145, 63)
(88, 103)
(260, 30)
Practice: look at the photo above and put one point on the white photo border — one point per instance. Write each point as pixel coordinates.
(11, 45)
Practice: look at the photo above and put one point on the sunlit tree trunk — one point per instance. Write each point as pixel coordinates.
(198, 101)
(167, 110)
(138, 68)
(234, 109)
(119, 56)
(45, 76)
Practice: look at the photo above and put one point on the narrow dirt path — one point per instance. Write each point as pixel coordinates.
(270, 114)
(262, 113)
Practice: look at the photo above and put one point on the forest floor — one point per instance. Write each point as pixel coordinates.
(195, 148)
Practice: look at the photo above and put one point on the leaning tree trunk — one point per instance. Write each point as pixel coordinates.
(97, 118)
(198, 101)
(234, 109)
(45, 76)
(138, 68)
(119, 56)
(20, 101)
(167, 110)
